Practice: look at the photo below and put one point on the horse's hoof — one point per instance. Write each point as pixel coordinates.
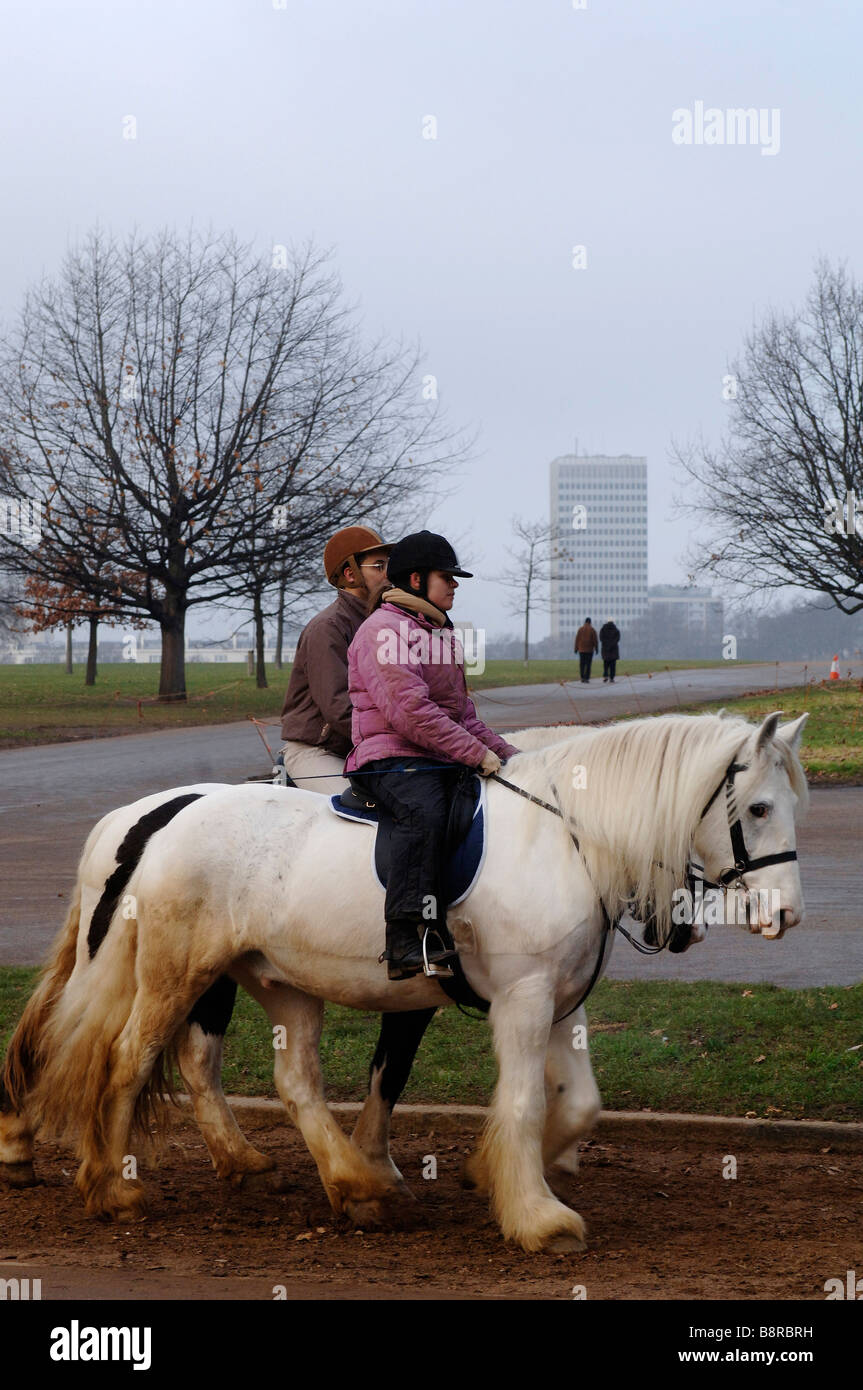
(473, 1177)
(396, 1208)
(117, 1213)
(565, 1244)
(268, 1180)
(18, 1174)
(125, 1202)
(370, 1213)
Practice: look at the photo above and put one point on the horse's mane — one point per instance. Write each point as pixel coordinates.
(644, 785)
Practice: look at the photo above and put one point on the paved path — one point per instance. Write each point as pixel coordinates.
(827, 947)
(520, 706)
(51, 796)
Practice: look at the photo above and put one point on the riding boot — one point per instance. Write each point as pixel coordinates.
(404, 953)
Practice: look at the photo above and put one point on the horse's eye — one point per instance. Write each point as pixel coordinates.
(759, 809)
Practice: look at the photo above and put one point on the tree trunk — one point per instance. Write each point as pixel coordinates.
(172, 677)
(280, 626)
(90, 678)
(261, 669)
(68, 649)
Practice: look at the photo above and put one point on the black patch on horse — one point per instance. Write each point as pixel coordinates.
(128, 857)
(213, 1010)
(400, 1036)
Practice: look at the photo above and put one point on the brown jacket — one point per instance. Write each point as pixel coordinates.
(317, 709)
(586, 639)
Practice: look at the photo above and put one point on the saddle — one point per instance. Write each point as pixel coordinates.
(465, 843)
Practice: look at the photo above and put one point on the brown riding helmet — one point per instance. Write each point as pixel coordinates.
(344, 547)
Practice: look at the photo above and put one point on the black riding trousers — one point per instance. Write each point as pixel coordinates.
(418, 804)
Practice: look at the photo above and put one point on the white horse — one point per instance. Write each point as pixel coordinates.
(199, 1043)
(638, 796)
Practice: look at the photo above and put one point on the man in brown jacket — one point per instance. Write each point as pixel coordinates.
(316, 715)
(586, 643)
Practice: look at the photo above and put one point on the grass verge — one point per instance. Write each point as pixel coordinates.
(832, 751)
(705, 1048)
(40, 704)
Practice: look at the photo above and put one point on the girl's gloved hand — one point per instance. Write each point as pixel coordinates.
(490, 763)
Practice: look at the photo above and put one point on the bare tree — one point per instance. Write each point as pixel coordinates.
(530, 569)
(162, 399)
(779, 493)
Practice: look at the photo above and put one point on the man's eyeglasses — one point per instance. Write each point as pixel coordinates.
(378, 565)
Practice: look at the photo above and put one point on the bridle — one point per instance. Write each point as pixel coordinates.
(743, 863)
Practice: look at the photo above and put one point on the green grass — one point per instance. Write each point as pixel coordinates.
(40, 704)
(832, 751)
(707, 1048)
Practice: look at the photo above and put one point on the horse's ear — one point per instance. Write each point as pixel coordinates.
(767, 731)
(792, 733)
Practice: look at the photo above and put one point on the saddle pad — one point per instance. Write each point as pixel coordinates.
(465, 863)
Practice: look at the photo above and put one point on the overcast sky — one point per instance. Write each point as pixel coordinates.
(554, 130)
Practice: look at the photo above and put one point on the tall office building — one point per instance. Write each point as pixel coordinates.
(599, 515)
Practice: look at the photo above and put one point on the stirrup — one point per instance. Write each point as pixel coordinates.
(429, 968)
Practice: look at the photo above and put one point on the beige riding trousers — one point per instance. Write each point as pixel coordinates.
(314, 769)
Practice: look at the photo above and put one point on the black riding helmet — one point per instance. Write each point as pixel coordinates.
(423, 551)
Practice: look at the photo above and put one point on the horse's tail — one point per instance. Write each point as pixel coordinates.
(26, 1046)
(80, 1046)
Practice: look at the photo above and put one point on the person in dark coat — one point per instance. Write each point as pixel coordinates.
(586, 644)
(609, 640)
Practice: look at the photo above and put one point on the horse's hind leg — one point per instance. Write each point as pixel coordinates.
(20, 1069)
(355, 1186)
(16, 1145)
(199, 1045)
(400, 1037)
(572, 1095)
(106, 1179)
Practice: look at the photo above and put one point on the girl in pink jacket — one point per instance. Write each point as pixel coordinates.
(411, 711)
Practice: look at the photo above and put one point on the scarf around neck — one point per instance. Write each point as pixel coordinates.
(403, 598)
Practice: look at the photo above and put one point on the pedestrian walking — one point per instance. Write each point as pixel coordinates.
(586, 643)
(609, 641)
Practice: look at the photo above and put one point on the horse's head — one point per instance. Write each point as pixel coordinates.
(746, 840)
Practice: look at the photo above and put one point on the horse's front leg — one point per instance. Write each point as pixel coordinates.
(511, 1151)
(572, 1102)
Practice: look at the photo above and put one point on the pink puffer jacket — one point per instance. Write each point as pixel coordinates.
(407, 687)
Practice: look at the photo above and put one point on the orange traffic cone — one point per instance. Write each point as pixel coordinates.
(834, 669)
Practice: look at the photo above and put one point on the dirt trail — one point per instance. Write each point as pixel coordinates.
(663, 1224)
